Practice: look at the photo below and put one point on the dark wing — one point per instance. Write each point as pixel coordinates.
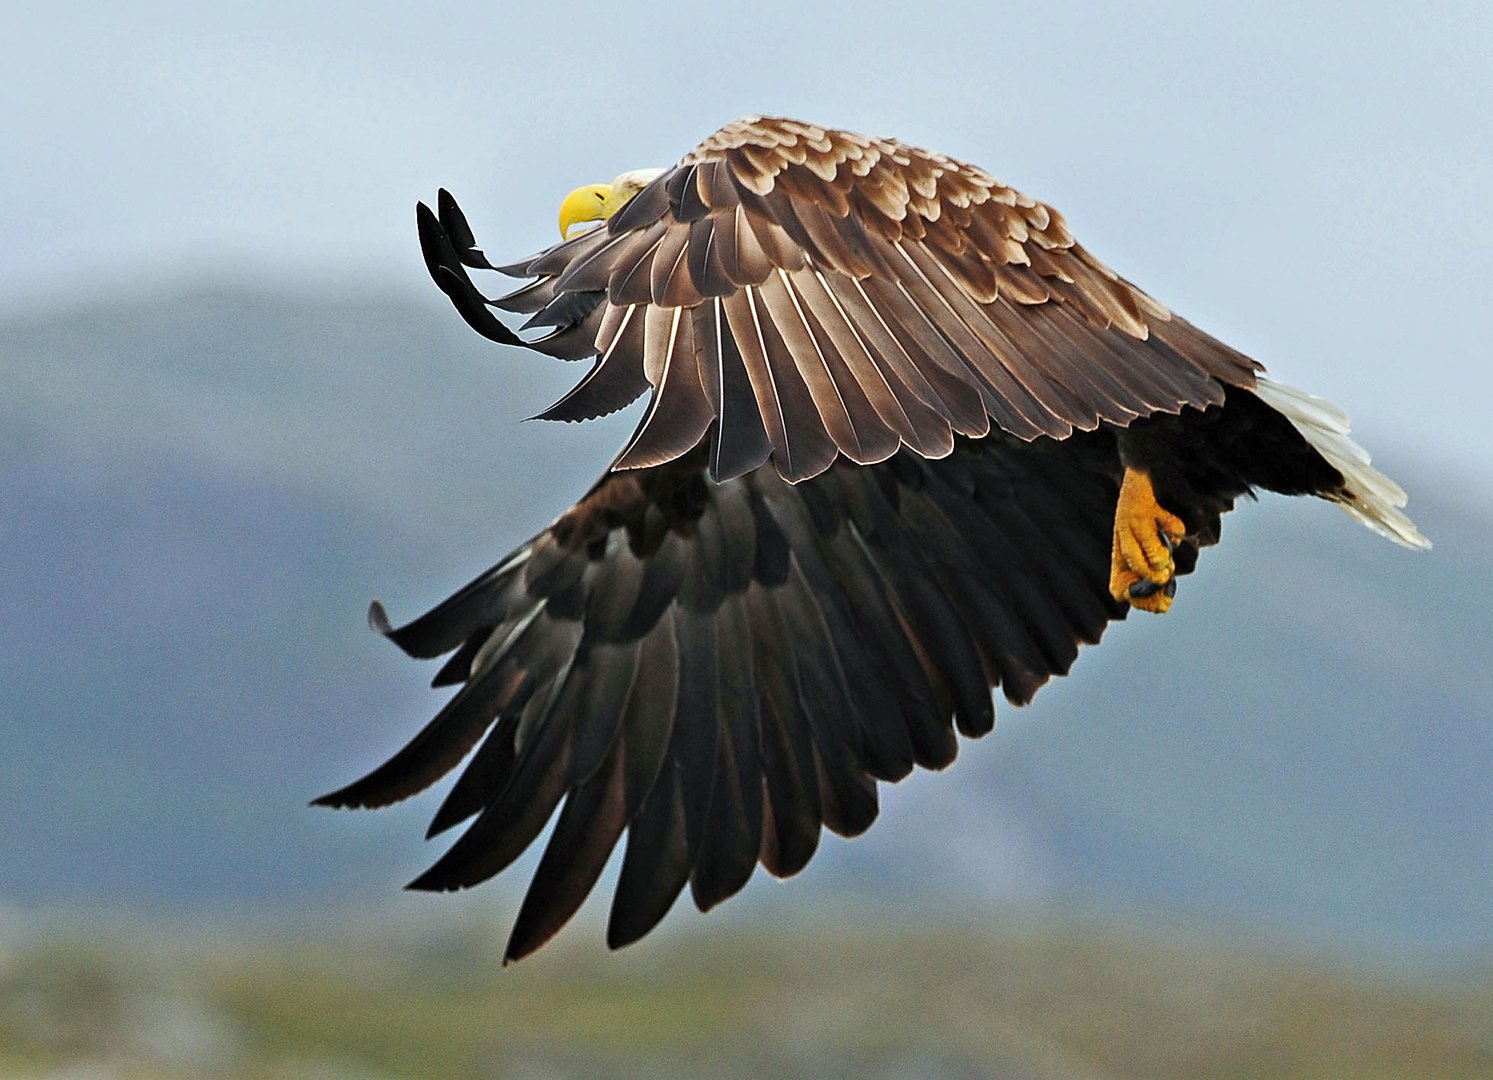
(719, 669)
(802, 293)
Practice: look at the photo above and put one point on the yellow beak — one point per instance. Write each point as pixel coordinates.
(594, 202)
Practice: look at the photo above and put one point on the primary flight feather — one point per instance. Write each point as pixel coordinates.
(906, 441)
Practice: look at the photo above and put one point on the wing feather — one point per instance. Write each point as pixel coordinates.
(902, 413)
(679, 413)
(1020, 380)
(615, 380)
(791, 807)
(732, 827)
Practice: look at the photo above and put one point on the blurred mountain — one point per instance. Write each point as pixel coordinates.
(200, 491)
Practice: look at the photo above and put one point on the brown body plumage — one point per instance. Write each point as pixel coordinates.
(892, 404)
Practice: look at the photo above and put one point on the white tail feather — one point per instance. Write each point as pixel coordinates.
(1368, 494)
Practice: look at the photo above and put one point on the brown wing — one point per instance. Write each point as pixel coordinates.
(802, 293)
(717, 669)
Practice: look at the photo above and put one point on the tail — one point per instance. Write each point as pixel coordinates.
(1367, 494)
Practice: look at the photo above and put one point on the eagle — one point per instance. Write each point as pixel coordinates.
(906, 442)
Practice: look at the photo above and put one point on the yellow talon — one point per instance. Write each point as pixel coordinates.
(1145, 534)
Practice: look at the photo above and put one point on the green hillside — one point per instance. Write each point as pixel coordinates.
(1013, 998)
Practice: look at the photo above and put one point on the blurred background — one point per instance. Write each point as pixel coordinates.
(1252, 838)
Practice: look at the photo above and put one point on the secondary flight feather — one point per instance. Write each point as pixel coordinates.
(907, 441)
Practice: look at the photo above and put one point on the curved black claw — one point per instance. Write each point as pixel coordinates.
(1142, 589)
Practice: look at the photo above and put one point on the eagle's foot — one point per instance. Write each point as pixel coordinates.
(1141, 569)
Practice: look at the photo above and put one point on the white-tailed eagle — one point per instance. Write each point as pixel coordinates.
(906, 441)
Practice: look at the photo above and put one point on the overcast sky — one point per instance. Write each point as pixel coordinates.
(1313, 182)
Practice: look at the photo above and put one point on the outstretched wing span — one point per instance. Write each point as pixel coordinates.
(720, 669)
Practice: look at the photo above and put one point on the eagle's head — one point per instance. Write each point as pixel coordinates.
(597, 202)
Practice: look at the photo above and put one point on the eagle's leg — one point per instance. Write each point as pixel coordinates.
(1141, 567)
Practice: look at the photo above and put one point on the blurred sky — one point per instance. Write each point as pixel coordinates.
(1313, 182)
